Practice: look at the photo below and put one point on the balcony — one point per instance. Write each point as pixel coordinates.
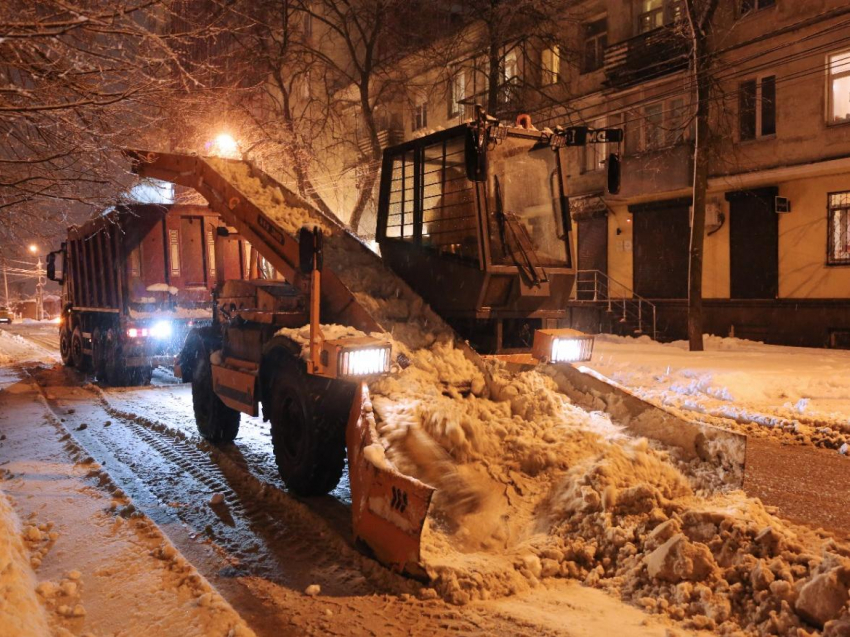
(386, 137)
(646, 57)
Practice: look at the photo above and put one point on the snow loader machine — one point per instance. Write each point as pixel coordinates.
(474, 218)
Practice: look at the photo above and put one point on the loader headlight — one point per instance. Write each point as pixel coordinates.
(562, 346)
(364, 362)
(571, 350)
(161, 330)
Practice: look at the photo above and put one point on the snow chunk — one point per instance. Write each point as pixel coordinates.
(162, 287)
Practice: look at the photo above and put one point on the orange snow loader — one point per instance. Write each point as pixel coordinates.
(480, 207)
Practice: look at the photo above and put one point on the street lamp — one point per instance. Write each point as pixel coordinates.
(33, 248)
(225, 146)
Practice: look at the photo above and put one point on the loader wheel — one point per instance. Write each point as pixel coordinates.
(308, 417)
(80, 360)
(65, 347)
(216, 422)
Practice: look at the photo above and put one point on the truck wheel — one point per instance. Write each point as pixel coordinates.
(65, 347)
(98, 354)
(308, 418)
(142, 375)
(117, 375)
(80, 360)
(216, 422)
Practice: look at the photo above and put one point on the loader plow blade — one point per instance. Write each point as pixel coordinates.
(388, 508)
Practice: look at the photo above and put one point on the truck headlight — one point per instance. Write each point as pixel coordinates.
(364, 362)
(161, 329)
(562, 346)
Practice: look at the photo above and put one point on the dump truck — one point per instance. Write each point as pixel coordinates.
(481, 206)
(134, 281)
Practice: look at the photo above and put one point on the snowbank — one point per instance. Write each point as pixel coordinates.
(799, 394)
(20, 612)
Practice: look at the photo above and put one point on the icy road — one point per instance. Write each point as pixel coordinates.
(113, 494)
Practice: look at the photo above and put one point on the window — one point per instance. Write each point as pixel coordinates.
(509, 69)
(595, 41)
(595, 154)
(510, 76)
(420, 116)
(839, 87)
(838, 220)
(457, 92)
(757, 108)
(656, 13)
(660, 125)
(550, 65)
(653, 129)
(752, 5)
(651, 16)
(677, 121)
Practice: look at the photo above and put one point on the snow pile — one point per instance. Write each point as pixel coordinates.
(20, 612)
(162, 287)
(530, 487)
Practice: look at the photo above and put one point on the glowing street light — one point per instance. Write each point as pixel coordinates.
(225, 146)
(33, 248)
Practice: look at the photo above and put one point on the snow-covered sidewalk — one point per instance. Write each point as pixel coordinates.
(794, 392)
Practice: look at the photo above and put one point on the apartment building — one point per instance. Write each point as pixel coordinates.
(777, 246)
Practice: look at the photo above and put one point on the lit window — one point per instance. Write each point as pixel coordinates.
(551, 65)
(839, 87)
(656, 13)
(595, 41)
(838, 221)
(757, 108)
(651, 15)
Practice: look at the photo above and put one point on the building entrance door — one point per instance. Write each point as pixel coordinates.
(592, 249)
(662, 233)
(753, 244)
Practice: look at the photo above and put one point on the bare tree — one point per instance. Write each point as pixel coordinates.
(78, 80)
(699, 16)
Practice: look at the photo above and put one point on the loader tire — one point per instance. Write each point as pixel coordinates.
(81, 361)
(216, 422)
(65, 347)
(308, 417)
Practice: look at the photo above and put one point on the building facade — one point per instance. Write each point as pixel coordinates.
(777, 245)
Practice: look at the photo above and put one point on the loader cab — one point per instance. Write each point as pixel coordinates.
(475, 219)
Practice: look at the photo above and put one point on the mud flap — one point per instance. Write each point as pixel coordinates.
(388, 508)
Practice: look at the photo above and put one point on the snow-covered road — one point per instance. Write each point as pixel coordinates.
(136, 450)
